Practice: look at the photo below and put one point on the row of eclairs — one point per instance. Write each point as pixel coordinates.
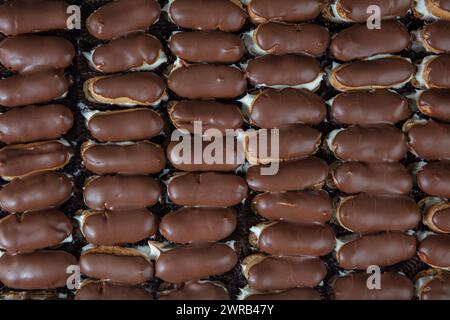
(235, 65)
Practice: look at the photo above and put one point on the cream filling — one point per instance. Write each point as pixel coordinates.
(421, 8)
(419, 77)
(251, 45)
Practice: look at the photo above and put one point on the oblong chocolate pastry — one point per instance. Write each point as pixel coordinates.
(196, 290)
(433, 72)
(389, 72)
(375, 143)
(121, 192)
(292, 175)
(36, 192)
(284, 71)
(102, 290)
(224, 15)
(34, 123)
(430, 140)
(132, 53)
(124, 266)
(435, 37)
(129, 89)
(25, 159)
(291, 294)
(18, 16)
(434, 250)
(433, 284)
(434, 179)
(41, 87)
(359, 42)
(209, 189)
(296, 141)
(29, 53)
(272, 108)
(212, 114)
(383, 249)
(207, 46)
(143, 157)
(34, 230)
(370, 213)
(436, 214)
(356, 11)
(369, 107)
(284, 38)
(294, 206)
(194, 261)
(125, 125)
(356, 177)
(284, 10)
(117, 227)
(266, 273)
(213, 155)
(187, 225)
(290, 239)
(45, 269)
(435, 103)
(121, 17)
(207, 81)
(394, 286)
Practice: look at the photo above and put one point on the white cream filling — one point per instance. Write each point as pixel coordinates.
(419, 77)
(421, 8)
(251, 45)
(330, 138)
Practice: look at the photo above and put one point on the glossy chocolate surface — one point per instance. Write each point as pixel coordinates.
(118, 227)
(207, 46)
(123, 54)
(370, 213)
(354, 287)
(272, 108)
(285, 239)
(283, 38)
(34, 123)
(292, 175)
(224, 15)
(209, 189)
(44, 269)
(138, 158)
(194, 261)
(278, 273)
(383, 249)
(294, 206)
(125, 125)
(197, 224)
(42, 87)
(125, 269)
(207, 81)
(116, 192)
(212, 114)
(22, 16)
(359, 42)
(356, 177)
(121, 17)
(369, 107)
(36, 192)
(287, 70)
(31, 53)
(34, 230)
(371, 144)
